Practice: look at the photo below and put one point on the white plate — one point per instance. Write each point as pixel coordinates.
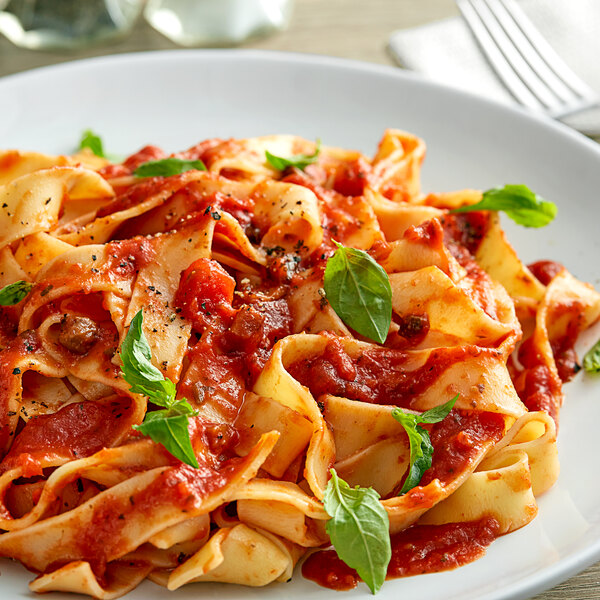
(177, 98)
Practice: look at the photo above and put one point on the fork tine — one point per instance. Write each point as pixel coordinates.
(514, 27)
(518, 63)
(496, 58)
(552, 59)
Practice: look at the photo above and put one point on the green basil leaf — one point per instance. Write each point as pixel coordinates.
(359, 291)
(167, 167)
(92, 141)
(522, 205)
(421, 449)
(359, 529)
(15, 292)
(437, 413)
(300, 161)
(170, 428)
(591, 360)
(138, 370)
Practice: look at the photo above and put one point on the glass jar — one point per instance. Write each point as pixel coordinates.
(217, 22)
(66, 24)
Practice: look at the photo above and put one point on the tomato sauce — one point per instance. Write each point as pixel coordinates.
(417, 550)
(463, 234)
(378, 376)
(458, 440)
(214, 376)
(545, 270)
(541, 391)
(75, 431)
(127, 257)
(16, 349)
(180, 488)
(351, 177)
(255, 329)
(539, 387)
(205, 294)
(466, 229)
(412, 330)
(433, 548)
(233, 334)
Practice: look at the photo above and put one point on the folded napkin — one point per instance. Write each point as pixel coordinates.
(447, 52)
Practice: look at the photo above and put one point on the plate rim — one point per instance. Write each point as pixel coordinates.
(314, 59)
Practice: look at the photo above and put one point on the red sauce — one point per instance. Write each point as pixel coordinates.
(10, 375)
(205, 294)
(565, 357)
(351, 177)
(214, 440)
(466, 229)
(539, 388)
(213, 151)
(90, 305)
(201, 151)
(417, 550)
(127, 257)
(429, 233)
(142, 190)
(380, 250)
(214, 376)
(254, 330)
(327, 569)
(181, 487)
(146, 154)
(378, 376)
(545, 270)
(463, 233)
(541, 391)
(74, 431)
(458, 440)
(433, 548)
(9, 324)
(412, 330)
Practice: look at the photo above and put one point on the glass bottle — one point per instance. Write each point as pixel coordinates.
(66, 24)
(217, 22)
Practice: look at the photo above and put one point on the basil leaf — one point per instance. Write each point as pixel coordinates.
(522, 205)
(167, 427)
(170, 428)
(15, 292)
(359, 291)
(92, 141)
(591, 360)
(138, 370)
(421, 449)
(300, 161)
(167, 167)
(359, 529)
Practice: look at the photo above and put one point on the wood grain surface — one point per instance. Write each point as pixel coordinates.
(356, 29)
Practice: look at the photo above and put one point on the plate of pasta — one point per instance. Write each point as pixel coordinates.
(253, 341)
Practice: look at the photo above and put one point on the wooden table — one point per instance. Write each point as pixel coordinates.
(355, 29)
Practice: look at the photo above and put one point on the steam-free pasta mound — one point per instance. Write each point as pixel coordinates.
(226, 268)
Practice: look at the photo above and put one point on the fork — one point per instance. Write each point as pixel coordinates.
(529, 67)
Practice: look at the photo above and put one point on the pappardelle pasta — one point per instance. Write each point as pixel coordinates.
(219, 362)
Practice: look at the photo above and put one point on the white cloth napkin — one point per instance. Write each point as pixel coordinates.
(447, 52)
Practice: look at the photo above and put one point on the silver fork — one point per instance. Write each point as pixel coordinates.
(537, 77)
